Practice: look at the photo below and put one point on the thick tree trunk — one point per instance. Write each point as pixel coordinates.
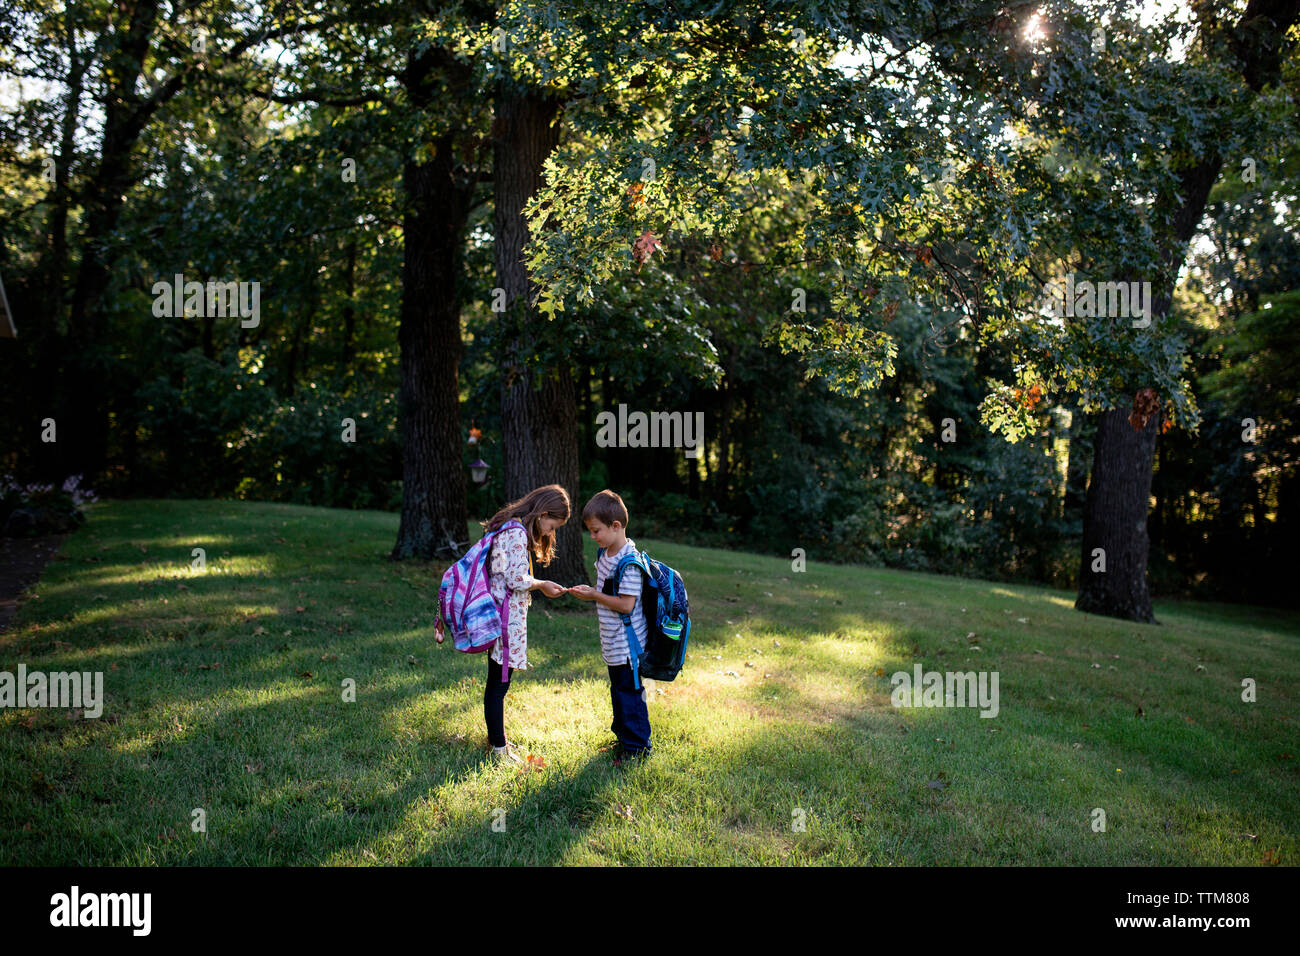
(433, 476)
(1115, 520)
(539, 407)
(83, 413)
(1123, 460)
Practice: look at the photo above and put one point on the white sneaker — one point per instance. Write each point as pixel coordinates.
(506, 754)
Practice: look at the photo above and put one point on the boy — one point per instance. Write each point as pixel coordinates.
(605, 516)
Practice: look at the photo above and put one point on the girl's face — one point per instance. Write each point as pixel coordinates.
(546, 524)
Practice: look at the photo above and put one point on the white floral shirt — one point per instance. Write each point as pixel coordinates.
(509, 573)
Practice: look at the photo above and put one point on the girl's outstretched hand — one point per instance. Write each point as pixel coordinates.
(584, 592)
(551, 589)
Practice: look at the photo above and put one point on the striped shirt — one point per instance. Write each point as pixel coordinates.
(613, 636)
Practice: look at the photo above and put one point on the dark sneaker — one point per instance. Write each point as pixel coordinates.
(626, 757)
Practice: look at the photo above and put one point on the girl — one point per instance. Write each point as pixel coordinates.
(510, 577)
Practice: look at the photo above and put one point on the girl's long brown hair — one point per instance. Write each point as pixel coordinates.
(549, 500)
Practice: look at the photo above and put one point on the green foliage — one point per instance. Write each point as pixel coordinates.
(931, 177)
(295, 450)
(217, 430)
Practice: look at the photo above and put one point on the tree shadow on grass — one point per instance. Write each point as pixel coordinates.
(536, 825)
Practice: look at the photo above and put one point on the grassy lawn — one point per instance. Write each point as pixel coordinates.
(223, 692)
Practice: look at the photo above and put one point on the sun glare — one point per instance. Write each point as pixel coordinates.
(1035, 31)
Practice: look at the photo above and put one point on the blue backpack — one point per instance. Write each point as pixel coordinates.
(667, 628)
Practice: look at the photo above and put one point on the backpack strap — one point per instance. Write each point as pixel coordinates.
(633, 645)
(505, 605)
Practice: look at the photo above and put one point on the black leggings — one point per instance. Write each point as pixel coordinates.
(494, 699)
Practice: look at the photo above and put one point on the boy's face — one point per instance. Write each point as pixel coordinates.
(604, 534)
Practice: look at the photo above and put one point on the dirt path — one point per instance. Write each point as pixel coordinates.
(21, 562)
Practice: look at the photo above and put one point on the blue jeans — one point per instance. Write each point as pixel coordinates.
(631, 719)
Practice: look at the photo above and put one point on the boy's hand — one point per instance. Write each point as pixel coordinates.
(584, 592)
(551, 589)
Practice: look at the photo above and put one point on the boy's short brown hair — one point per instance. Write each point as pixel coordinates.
(606, 507)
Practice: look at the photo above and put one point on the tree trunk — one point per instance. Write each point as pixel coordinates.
(1115, 520)
(1076, 468)
(437, 207)
(349, 307)
(607, 404)
(539, 408)
(1255, 49)
(83, 414)
(48, 344)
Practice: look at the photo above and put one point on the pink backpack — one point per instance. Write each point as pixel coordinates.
(466, 607)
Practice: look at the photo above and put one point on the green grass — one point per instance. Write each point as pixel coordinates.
(209, 706)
